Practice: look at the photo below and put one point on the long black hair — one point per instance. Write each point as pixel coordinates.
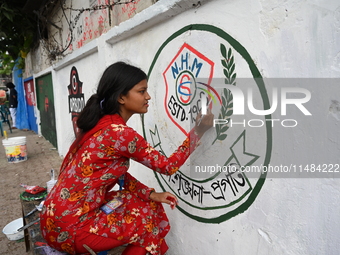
(116, 80)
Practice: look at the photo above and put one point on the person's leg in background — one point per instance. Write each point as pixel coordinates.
(13, 112)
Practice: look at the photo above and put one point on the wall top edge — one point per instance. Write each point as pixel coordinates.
(28, 78)
(86, 50)
(43, 72)
(155, 14)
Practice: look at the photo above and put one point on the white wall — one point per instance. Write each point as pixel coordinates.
(285, 39)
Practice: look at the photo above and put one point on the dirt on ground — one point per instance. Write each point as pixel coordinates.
(42, 156)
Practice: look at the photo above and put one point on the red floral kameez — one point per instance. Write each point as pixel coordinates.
(89, 172)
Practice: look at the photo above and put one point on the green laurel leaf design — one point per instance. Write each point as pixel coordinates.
(228, 64)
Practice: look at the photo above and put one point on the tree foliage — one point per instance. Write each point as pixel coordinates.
(17, 30)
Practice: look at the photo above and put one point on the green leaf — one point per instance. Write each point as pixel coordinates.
(232, 69)
(229, 53)
(8, 16)
(4, 7)
(224, 101)
(217, 126)
(225, 71)
(223, 50)
(224, 129)
(223, 110)
(230, 63)
(222, 137)
(233, 78)
(226, 93)
(224, 63)
(229, 96)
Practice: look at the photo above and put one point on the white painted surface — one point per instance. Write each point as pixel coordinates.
(285, 39)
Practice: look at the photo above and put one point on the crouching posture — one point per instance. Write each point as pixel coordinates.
(73, 213)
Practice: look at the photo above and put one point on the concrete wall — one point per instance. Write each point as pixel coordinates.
(291, 41)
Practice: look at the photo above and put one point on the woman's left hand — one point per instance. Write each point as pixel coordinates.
(164, 197)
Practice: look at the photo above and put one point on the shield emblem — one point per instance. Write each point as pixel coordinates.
(183, 93)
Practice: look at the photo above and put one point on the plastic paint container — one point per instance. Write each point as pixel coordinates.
(11, 230)
(50, 184)
(15, 148)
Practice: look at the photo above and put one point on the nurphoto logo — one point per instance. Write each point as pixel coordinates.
(239, 102)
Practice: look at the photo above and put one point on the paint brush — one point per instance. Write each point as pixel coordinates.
(199, 121)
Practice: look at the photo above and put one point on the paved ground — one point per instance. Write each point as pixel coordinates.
(42, 157)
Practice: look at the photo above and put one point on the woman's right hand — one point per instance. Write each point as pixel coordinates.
(164, 197)
(204, 123)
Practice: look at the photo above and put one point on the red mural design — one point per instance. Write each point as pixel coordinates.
(76, 97)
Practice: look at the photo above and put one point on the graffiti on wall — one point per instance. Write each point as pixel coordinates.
(212, 186)
(76, 100)
(93, 24)
(128, 10)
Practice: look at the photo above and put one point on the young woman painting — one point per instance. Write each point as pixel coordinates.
(98, 159)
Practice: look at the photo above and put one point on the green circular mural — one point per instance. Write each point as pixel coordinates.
(182, 76)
